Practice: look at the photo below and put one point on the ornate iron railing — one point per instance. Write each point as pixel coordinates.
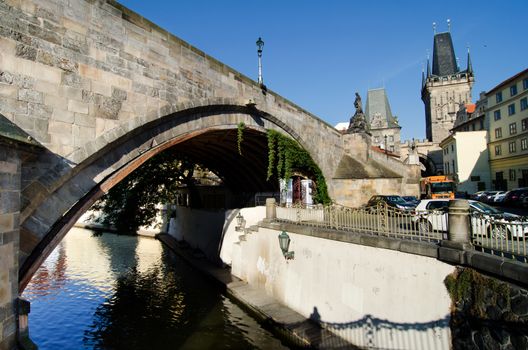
(500, 235)
(381, 220)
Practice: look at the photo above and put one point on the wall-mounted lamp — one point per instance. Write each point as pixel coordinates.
(284, 243)
(240, 222)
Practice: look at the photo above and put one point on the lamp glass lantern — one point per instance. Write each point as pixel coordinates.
(239, 219)
(284, 244)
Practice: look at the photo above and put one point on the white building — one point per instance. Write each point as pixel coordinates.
(465, 156)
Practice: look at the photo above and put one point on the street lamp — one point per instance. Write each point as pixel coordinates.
(240, 221)
(260, 45)
(284, 243)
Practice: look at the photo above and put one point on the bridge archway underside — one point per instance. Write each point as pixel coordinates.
(207, 136)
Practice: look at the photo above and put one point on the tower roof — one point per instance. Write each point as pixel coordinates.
(444, 60)
(378, 103)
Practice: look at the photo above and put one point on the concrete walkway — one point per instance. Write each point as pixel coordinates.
(299, 331)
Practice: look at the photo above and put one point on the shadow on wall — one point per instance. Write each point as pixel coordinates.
(371, 332)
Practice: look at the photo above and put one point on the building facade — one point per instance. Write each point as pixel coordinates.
(507, 112)
(465, 156)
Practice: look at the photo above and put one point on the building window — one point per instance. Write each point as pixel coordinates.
(497, 115)
(391, 138)
(453, 163)
(512, 174)
(511, 109)
(524, 103)
(481, 124)
(498, 150)
(447, 172)
(512, 147)
(473, 127)
(391, 148)
(475, 178)
(524, 124)
(513, 90)
(498, 97)
(466, 128)
(513, 128)
(524, 144)
(376, 139)
(525, 83)
(498, 133)
(452, 148)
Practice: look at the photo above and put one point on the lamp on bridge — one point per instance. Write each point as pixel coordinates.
(240, 222)
(260, 45)
(284, 243)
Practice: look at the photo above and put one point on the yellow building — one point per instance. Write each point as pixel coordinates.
(507, 112)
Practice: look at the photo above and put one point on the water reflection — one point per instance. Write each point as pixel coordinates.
(120, 292)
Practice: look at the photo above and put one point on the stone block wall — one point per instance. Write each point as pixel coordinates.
(10, 170)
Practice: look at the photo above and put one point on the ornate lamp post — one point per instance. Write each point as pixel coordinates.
(284, 244)
(260, 45)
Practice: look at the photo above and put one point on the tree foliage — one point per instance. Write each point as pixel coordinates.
(132, 202)
(285, 156)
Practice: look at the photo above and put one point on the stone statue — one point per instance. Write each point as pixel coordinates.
(358, 122)
(357, 104)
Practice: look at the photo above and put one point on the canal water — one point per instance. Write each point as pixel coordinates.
(122, 292)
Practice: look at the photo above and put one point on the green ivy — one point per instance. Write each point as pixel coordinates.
(240, 136)
(285, 155)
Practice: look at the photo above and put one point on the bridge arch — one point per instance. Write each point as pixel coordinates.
(204, 130)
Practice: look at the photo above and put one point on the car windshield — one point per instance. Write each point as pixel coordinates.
(484, 208)
(396, 200)
(442, 187)
(410, 198)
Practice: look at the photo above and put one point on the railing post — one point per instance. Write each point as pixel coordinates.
(453, 249)
(458, 221)
(271, 209)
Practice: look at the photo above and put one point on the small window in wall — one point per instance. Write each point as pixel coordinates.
(498, 133)
(481, 124)
(376, 139)
(475, 178)
(524, 103)
(498, 150)
(481, 186)
(512, 147)
(524, 124)
(511, 109)
(452, 147)
(524, 144)
(391, 138)
(513, 128)
(525, 83)
(498, 97)
(513, 90)
(453, 163)
(391, 148)
(497, 115)
(512, 175)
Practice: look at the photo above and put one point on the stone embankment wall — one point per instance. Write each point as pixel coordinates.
(371, 297)
(487, 313)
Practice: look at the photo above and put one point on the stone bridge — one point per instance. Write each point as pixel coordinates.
(90, 90)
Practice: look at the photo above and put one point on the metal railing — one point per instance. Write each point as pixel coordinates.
(381, 220)
(500, 235)
(495, 234)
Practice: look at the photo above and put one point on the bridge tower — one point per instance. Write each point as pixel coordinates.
(444, 89)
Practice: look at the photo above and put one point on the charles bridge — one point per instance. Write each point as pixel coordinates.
(90, 90)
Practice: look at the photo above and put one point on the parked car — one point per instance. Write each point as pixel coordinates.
(478, 195)
(489, 196)
(499, 197)
(513, 197)
(411, 199)
(392, 201)
(432, 215)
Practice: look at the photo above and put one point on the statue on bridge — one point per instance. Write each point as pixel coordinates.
(358, 122)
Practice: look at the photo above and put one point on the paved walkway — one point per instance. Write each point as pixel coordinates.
(298, 330)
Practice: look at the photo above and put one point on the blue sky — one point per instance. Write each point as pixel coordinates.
(319, 53)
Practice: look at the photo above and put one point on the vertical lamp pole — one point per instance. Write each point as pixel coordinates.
(260, 45)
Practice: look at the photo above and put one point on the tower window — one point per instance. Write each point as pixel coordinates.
(513, 90)
(498, 97)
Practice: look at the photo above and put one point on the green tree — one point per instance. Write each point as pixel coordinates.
(132, 202)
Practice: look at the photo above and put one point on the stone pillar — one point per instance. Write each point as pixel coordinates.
(271, 209)
(458, 222)
(10, 175)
